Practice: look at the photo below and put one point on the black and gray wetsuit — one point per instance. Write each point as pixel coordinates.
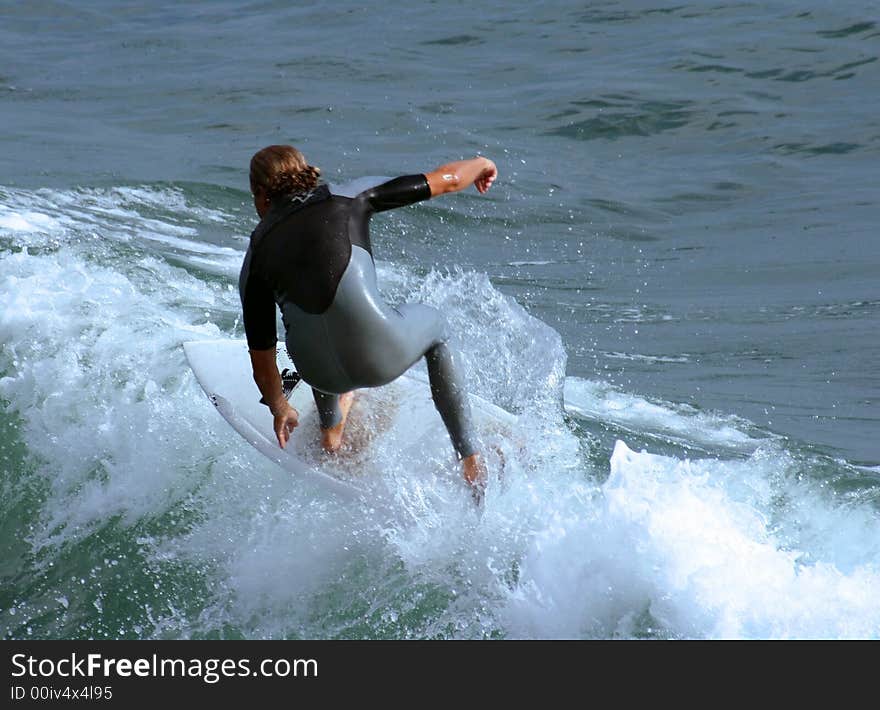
(311, 256)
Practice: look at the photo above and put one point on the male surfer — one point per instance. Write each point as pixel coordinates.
(311, 255)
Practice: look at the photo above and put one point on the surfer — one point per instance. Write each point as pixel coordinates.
(311, 255)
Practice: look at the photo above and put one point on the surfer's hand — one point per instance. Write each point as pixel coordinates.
(286, 419)
(486, 177)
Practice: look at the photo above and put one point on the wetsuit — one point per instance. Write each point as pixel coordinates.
(311, 255)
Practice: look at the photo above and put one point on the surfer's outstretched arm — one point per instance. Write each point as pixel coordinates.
(460, 175)
(268, 379)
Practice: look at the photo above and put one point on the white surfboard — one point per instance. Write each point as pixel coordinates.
(392, 425)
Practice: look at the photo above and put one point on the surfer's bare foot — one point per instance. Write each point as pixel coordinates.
(476, 475)
(331, 439)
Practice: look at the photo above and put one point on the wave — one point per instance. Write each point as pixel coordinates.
(138, 513)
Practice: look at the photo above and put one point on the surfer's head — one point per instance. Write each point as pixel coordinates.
(278, 170)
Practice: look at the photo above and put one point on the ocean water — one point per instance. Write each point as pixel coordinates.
(673, 282)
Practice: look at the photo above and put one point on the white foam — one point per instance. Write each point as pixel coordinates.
(509, 356)
(53, 217)
(638, 357)
(690, 549)
(95, 370)
(26, 221)
(602, 402)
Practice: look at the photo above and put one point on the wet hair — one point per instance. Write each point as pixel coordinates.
(282, 170)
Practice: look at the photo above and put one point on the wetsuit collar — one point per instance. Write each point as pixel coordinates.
(283, 207)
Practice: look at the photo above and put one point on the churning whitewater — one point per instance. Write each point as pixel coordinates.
(131, 510)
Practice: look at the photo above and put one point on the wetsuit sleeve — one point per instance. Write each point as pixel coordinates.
(258, 308)
(399, 192)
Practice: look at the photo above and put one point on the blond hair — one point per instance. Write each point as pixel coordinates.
(282, 170)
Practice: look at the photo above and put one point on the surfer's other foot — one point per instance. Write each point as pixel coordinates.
(331, 439)
(476, 475)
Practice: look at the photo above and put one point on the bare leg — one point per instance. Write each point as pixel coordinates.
(476, 475)
(332, 413)
(452, 404)
(331, 437)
